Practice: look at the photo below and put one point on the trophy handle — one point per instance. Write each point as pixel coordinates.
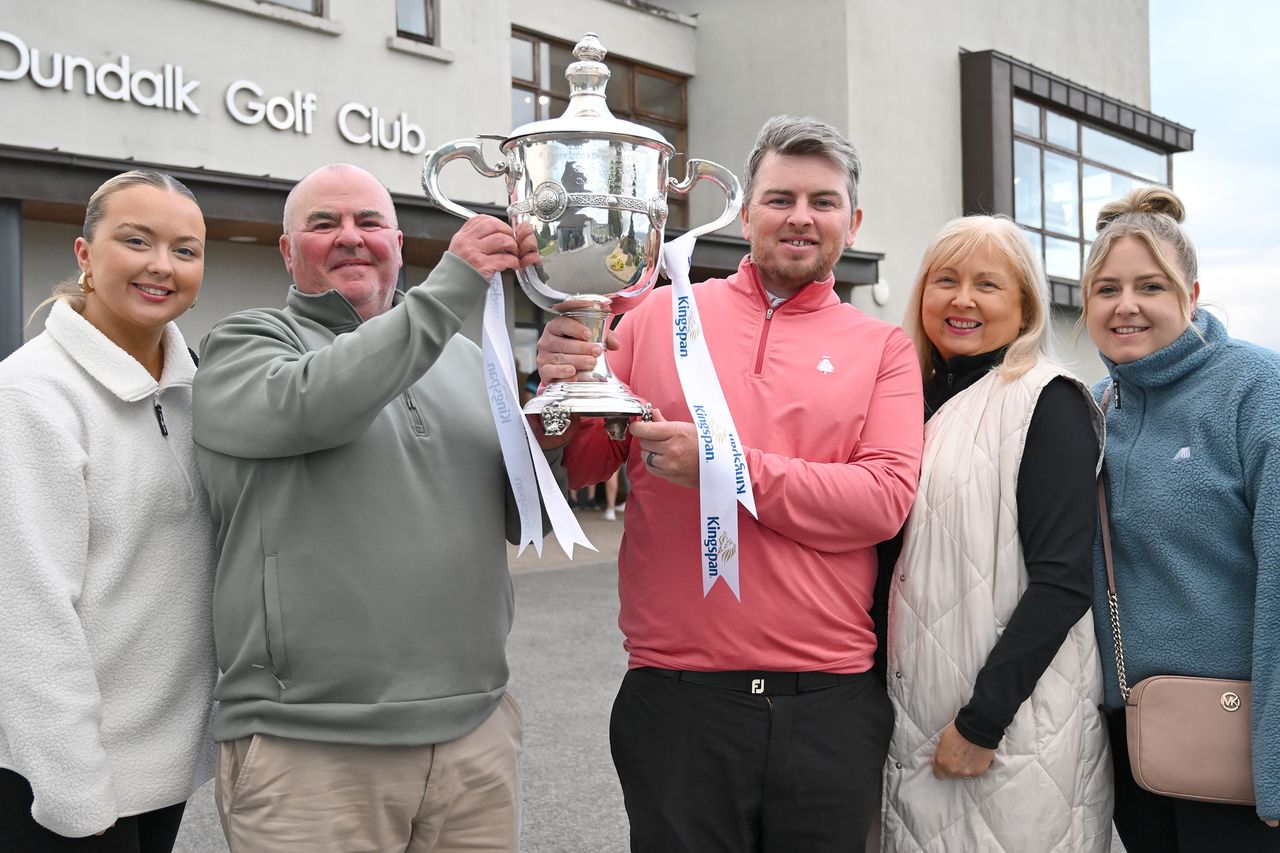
(468, 149)
(699, 170)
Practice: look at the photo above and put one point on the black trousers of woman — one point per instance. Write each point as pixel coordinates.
(1151, 823)
(150, 832)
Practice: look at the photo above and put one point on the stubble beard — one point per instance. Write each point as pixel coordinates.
(792, 277)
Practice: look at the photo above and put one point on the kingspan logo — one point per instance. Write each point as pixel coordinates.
(727, 546)
(739, 466)
(705, 432)
(686, 329)
(717, 545)
(497, 396)
(711, 545)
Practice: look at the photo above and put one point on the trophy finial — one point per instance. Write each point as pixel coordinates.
(587, 78)
(590, 49)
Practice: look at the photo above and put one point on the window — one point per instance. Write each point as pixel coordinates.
(1050, 153)
(1064, 171)
(639, 93)
(416, 19)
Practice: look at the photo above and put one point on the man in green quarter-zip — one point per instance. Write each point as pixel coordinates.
(362, 601)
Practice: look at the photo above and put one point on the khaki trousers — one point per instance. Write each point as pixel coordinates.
(277, 795)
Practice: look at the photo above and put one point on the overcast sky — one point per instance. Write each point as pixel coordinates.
(1215, 68)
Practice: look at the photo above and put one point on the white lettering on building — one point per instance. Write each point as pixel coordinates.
(293, 113)
(373, 130)
(167, 89)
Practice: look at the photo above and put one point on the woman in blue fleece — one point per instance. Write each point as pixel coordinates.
(1193, 482)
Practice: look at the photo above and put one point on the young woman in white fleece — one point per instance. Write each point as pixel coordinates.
(106, 639)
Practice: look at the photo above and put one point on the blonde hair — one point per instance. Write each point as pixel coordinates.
(958, 239)
(1152, 215)
(69, 291)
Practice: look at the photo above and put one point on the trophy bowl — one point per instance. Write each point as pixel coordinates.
(594, 188)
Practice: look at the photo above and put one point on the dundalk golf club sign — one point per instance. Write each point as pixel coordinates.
(169, 88)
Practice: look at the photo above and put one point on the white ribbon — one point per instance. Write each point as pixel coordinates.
(724, 481)
(527, 468)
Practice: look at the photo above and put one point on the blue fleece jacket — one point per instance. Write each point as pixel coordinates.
(1193, 469)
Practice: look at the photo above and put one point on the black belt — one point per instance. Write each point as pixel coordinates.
(760, 681)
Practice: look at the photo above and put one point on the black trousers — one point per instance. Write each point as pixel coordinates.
(1151, 823)
(151, 832)
(709, 770)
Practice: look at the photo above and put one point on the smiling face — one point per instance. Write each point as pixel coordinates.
(972, 305)
(798, 220)
(341, 235)
(1134, 308)
(145, 263)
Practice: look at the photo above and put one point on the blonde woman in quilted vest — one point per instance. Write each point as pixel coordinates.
(106, 628)
(1193, 485)
(992, 664)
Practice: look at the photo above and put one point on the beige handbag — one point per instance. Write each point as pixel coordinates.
(1188, 736)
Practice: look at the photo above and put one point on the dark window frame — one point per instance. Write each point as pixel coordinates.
(432, 18)
(989, 83)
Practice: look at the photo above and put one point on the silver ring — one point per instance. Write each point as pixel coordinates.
(648, 460)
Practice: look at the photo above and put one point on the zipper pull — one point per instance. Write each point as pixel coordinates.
(164, 429)
(1117, 384)
(768, 315)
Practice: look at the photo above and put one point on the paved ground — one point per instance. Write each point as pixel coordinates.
(566, 662)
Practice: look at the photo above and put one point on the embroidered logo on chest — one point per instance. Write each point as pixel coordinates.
(1183, 453)
(825, 366)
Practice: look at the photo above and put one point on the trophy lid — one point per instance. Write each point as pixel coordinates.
(587, 111)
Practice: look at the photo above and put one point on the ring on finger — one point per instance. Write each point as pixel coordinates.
(648, 460)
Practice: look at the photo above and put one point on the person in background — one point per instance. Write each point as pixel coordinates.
(1193, 475)
(992, 664)
(611, 496)
(106, 637)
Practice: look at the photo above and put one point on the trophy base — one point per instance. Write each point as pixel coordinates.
(559, 402)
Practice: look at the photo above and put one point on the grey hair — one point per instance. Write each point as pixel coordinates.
(789, 135)
(290, 199)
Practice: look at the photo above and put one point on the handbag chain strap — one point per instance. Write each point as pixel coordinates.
(1111, 572)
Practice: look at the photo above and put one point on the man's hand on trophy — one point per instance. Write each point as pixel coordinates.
(669, 449)
(566, 349)
(489, 245)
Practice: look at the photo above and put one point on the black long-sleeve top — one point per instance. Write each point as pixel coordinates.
(1057, 511)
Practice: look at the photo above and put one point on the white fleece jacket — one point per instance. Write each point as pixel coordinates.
(106, 577)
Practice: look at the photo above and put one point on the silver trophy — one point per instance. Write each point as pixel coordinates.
(594, 188)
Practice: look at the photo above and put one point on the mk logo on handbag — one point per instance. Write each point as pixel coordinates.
(1230, 701)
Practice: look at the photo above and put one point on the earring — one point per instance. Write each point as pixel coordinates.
(86, 280)
(192, 305)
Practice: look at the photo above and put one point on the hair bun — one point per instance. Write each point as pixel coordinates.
(1149, 200)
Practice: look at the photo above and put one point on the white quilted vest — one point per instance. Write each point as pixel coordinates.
(957, 582)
